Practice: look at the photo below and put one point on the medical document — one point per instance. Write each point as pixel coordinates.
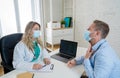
(45, 68)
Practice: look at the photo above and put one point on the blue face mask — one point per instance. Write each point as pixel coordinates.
(36, 33)
(87, 36)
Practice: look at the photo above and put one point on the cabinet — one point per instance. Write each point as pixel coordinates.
(53, 36)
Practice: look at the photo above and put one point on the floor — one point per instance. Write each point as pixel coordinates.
(1, 71)
(50, 48)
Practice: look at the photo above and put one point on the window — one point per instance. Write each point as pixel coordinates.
(15, 14)
(25, 13)
(7, 17)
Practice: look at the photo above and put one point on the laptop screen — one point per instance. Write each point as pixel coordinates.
(68, 47)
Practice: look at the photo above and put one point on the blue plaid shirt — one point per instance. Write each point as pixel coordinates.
(104, 63)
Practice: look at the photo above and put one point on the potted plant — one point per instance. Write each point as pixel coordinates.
(62, 24)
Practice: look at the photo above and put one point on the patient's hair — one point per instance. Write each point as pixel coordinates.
(102, 27)
(27, 36)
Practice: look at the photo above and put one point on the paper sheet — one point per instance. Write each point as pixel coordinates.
(47, 68)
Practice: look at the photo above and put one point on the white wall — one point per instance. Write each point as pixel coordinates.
(56, 10)
(106, 10)
(53, 10)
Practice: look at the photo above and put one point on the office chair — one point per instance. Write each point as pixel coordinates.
(7, 44)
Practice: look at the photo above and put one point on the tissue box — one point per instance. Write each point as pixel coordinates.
(54, 25)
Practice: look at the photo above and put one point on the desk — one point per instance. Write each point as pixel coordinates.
(60, 69)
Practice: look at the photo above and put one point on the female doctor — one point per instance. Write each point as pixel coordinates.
(29, 53)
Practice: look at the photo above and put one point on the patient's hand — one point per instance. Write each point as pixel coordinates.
(46, 60)
(89, 52)
(71, 63)
(37, 66)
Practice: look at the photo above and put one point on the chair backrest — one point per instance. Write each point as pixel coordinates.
(7, 44)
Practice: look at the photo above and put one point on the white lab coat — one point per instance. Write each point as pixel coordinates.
(22, 57)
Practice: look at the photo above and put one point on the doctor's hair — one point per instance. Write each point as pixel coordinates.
(27, 37)
(102, 27)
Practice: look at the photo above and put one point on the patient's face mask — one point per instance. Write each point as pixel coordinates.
(87, 35)
(36, 33)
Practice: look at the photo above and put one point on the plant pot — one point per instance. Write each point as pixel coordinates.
(63, 26)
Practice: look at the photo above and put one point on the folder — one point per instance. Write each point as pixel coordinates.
(25, 75)
(67, 21)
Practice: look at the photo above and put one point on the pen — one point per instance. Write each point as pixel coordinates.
(32, 75)
(43, 65)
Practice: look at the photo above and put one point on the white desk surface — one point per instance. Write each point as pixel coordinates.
(60, 69)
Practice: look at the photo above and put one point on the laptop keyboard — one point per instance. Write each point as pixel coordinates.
(64, 56)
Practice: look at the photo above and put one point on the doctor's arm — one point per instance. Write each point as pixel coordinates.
(19, 59)
(46, 57)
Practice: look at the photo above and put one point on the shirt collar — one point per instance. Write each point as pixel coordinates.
(95, 47)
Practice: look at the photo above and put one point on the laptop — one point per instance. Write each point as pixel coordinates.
(67, 51)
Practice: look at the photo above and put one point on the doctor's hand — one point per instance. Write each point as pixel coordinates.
(71, 63)
(46, 60)
(37, 66)
(89, 53)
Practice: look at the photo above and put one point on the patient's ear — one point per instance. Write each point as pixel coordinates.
(98, 32)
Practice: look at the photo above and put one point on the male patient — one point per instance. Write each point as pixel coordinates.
(100, 60)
